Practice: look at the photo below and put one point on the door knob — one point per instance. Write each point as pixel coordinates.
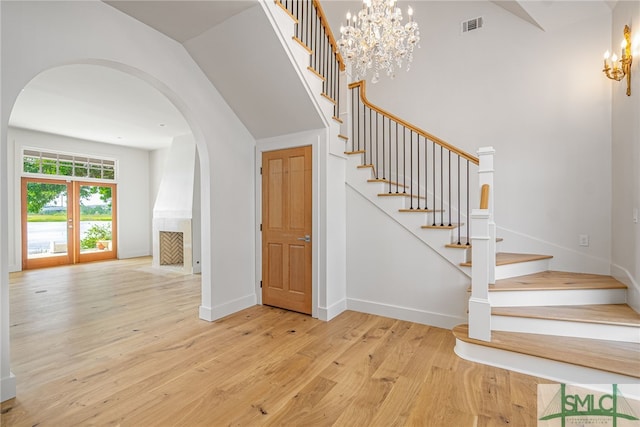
(306, 238)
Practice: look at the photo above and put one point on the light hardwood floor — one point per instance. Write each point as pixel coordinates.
(118, 343)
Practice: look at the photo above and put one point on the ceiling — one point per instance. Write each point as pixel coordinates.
(97, 103)
(182, 20)
(131, 112)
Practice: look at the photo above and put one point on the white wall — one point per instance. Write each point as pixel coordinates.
(157, 163)
(392, 273)
(625, 189)
(175, 193)
(134, 226)
(55, 33)
(539, 98)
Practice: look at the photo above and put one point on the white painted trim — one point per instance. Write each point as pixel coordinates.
(313, 138)
(328, 313)
(404, 313)
(7, 387)
(521, 268)
(222, 310)
(205, 313)
(566, 328)
(539, 367)
(633, 292)
(557, 297)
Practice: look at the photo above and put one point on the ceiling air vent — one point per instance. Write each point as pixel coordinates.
(472, 24)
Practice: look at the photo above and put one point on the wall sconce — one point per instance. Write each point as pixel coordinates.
(616, 69)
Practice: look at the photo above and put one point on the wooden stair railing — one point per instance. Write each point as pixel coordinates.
(434, 173)
(312, 31)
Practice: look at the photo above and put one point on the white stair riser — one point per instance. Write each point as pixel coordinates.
(566, 328)
(556, 371)
(326, 105)
(521, 269)
(557, 297)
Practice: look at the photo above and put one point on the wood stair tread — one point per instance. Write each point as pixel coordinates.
(386, 181)
(557, 280)
(443, 227)
(415, 196)
(611, 356)
(355, 152)
(610, 314)
(504, 258)
(420, 210)
(466, 245)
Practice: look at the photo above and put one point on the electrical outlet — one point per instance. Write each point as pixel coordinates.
(583, 240)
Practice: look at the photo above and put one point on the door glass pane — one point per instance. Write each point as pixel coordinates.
(95, 219)
(47, 228)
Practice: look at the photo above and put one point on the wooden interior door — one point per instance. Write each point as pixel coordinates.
(286, 229)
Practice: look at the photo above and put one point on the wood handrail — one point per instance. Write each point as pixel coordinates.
(417, 130)
(325, 23)
(484, 196)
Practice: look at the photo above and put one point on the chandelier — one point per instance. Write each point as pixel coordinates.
(375, 39)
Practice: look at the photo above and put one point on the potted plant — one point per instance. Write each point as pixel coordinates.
(97, 237)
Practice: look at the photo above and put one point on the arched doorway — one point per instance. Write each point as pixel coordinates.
(69, 124)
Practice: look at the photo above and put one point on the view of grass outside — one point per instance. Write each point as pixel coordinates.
(47, 228)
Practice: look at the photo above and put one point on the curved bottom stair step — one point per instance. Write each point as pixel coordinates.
(600, 355)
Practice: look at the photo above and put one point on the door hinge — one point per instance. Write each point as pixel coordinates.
(261, 283)
(260, 227)
(260, 170)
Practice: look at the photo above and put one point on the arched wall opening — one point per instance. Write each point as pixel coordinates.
(37, 36)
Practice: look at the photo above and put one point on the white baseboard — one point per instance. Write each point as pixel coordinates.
(219, 311)
(328, 313)
(439, 320)
(7, 387)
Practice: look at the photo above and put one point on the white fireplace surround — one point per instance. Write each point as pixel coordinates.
(175, 225)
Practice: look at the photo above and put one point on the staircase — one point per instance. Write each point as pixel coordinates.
(568, 327)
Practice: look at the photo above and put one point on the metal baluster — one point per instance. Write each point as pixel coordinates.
(418, 167)
(441, 189)
(377, 149)
(404, 160)
(459, 207)
(384, 164)
(468, 217)
(397, 168)
(449, 188)
(433, 167)
(411, 167)
(390, 156)
(370, 137)
(426, 173)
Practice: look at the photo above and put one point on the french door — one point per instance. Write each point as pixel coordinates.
(67, 222)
